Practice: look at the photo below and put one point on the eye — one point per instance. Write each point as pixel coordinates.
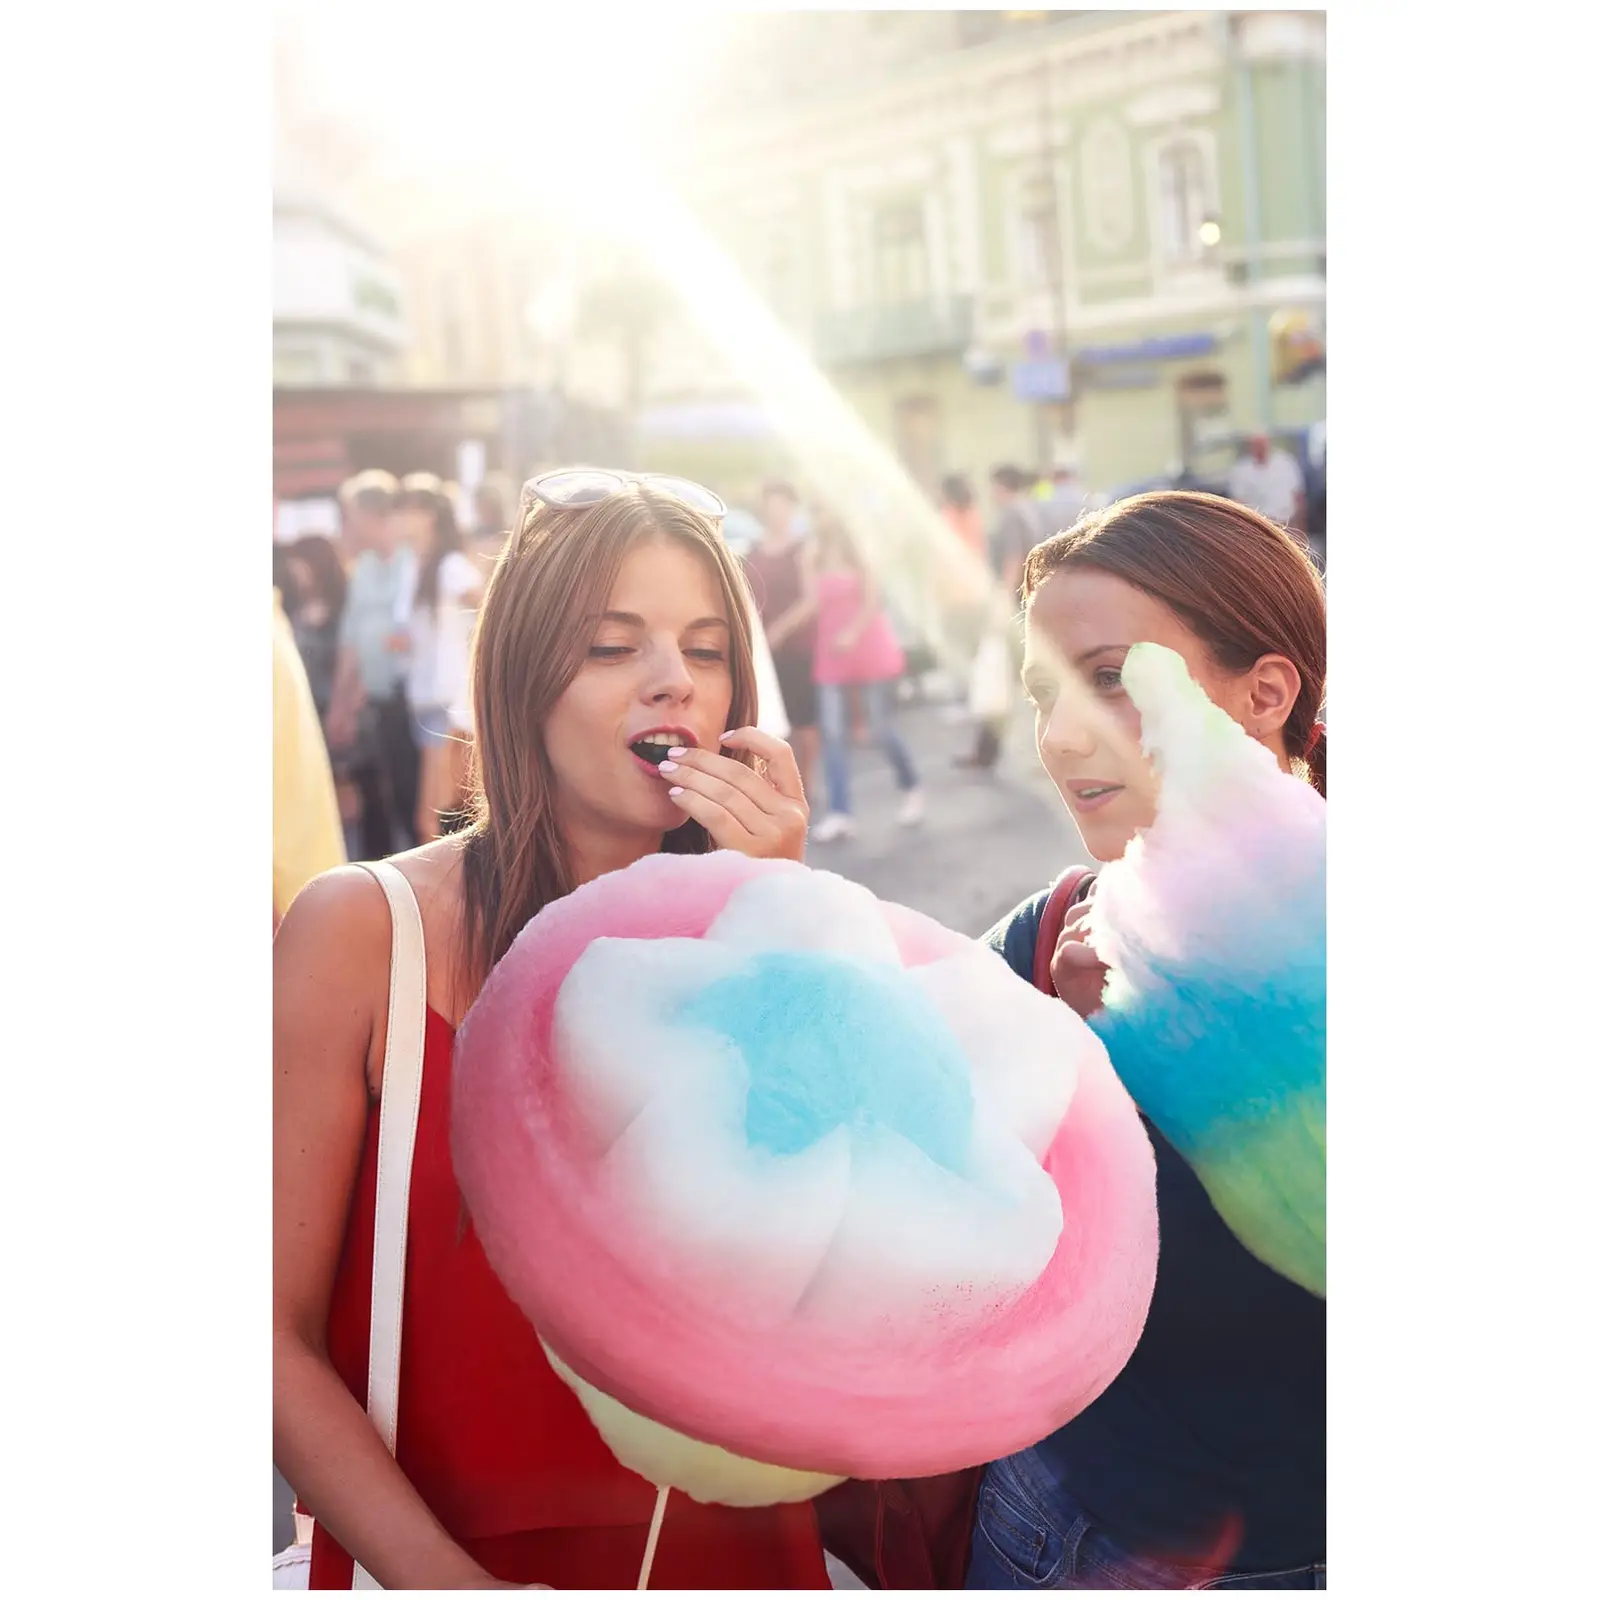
(1040, 691)
(706, 653)
(1107, 679)
(609, 652)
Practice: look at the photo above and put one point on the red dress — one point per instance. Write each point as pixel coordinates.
(495, 1443)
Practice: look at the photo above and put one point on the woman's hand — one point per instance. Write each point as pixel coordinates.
(1077, 972)
(756, 813)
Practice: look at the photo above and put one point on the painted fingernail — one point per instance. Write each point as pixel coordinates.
(669, 766)
(681, 750)
(722, 738)
(675, 791)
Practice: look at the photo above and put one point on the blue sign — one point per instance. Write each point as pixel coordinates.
(1040, 380)
(1169, 347)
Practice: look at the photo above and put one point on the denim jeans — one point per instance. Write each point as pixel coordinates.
(833, 712)
(1029, 1535)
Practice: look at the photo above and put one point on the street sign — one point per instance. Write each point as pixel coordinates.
(1040, 381)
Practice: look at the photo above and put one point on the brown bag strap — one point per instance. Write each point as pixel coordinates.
(1067, 889)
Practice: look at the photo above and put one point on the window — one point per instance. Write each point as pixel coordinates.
(1038, 235)
(1107, 160)
(1184, 199)
(899, 252)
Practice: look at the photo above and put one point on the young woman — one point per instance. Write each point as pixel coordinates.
(616, 620)
(449, 588)
(1203, 1465)
(856, 648)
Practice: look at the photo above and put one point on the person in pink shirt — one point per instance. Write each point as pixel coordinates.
(855, 646)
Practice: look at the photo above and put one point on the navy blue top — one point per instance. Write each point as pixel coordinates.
(1216, 1430)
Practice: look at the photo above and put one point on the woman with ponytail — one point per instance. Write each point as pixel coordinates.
(1203, 1465)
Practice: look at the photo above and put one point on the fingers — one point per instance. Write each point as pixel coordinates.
(783, 771)
(731, 798)
(752, 832)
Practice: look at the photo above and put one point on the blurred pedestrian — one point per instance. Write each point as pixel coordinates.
(1017, 528)
(1067, 499)
(782, 579)
(961, 514)
(370, 714)
(314, 601)
(1268, 479)
(856, 647)
(440, 618)
(492, 503)
(306, 836)
(363, 504)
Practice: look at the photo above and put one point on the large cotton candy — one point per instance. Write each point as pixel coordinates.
(798, 1185)
(1213, 925)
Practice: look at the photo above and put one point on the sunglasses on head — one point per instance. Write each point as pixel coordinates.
(575, 487)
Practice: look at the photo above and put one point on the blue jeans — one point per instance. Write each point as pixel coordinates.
(1029, 1535)
(833, 713)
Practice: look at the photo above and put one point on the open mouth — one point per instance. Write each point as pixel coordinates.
(653, 747)
(1089, 799)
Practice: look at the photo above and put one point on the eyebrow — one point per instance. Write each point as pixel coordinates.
(1099, 650)
(632, 619)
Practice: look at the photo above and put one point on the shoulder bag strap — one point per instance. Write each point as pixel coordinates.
(401, 1097)
(1066, 890)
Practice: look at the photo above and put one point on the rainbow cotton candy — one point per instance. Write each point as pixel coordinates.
(1213, 925)
(798, 1185)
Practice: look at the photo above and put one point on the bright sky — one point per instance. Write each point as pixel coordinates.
(544, 91)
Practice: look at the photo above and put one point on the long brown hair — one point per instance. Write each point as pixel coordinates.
(557, 571)
(1242, 585)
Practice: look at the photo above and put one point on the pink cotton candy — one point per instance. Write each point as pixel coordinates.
(653, 1321)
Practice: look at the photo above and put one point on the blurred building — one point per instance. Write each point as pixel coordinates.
(1083, 236)
(336, 308)
(1032, 236)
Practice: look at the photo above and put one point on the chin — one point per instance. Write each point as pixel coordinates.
(1104, 840)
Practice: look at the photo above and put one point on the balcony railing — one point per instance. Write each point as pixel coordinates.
(890, 332)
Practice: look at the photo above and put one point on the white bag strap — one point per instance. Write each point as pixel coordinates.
(401, 1096)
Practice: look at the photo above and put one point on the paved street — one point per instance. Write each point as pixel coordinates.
(990, 839)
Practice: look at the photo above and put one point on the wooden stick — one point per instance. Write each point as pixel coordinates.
(655, 1534)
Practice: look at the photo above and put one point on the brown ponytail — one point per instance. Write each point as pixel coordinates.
(1242, 585)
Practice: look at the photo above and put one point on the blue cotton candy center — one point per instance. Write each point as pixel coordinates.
(829, 1043)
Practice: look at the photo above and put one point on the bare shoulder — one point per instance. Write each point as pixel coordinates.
(337, 916)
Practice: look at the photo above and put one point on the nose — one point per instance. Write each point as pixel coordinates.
(1070, 729)
(667, 679)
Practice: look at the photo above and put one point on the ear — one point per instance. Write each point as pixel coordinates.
(1273, 686)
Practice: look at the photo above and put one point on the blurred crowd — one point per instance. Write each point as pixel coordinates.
(381, 612)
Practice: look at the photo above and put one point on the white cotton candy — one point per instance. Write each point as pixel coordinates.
(612, 1019)
(730, 1218)
(1024, 1047)
(918, 1242)
(806, 911)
